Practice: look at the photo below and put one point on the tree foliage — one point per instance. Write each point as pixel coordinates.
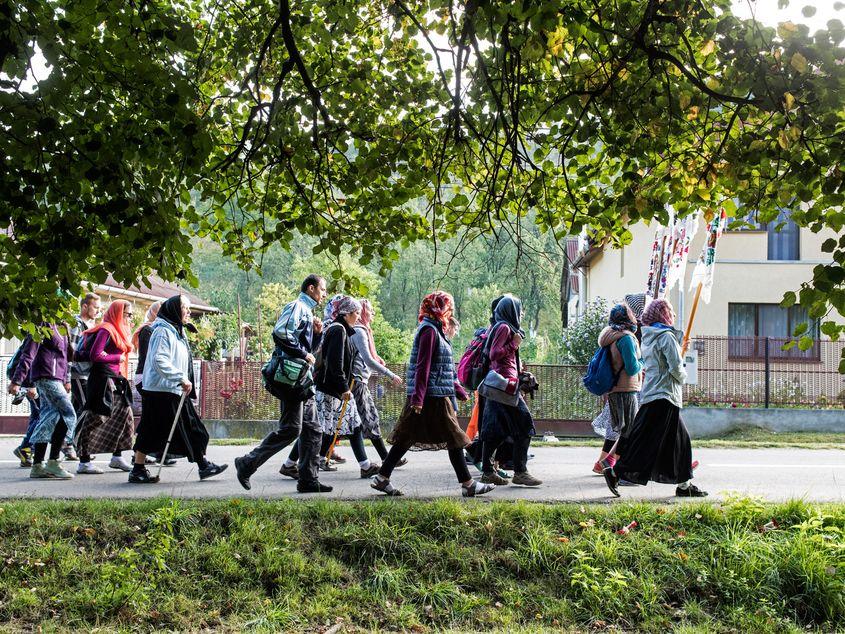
(370, 125)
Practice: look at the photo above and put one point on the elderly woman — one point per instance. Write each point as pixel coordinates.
(106, 424)
(168, 374)
(429, 420)
(657, 447)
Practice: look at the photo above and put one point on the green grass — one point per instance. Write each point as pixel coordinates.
(420, 566)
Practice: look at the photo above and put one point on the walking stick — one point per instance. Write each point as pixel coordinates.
(339, 423)
(172, 429)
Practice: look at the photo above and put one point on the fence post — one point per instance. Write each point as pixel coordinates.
(767, 373)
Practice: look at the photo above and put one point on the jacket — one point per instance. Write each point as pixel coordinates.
(664, 367)
(440, 366)
(624, 356)
(45, 360)
(337, 355)
(294, 330)
(166, 366)
(364, 364)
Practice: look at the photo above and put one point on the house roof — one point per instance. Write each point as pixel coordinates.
(157, 290)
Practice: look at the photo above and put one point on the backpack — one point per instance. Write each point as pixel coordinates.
(82, 354)
(600, 377)
(475, 361)
(16, 358)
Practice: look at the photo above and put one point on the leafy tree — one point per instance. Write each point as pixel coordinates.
(580, 340)
(370, 125)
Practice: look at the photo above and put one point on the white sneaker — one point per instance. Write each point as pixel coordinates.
(88, 468)
(118, 462)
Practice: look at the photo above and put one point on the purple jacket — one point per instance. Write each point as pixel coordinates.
(45, 360)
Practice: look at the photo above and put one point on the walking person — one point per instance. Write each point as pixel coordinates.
(501, 420)
(106, 423)
(428, 419)
(657, 447)
(168, 379)
(141, 342)
(46, 366)
(23, 451)
(367, 362)
(297, 334)
(90, 308)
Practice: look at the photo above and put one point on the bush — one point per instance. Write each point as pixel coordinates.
(580, 340)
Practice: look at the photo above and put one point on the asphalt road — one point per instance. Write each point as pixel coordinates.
(773, 474)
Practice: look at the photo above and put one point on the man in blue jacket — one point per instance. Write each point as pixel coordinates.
(297, 335)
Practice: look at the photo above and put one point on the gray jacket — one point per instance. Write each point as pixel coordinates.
(664, 367)
(365, 364)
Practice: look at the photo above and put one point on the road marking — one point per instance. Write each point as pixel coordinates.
(747, 465)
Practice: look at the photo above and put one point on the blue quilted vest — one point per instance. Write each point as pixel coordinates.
(441, 379)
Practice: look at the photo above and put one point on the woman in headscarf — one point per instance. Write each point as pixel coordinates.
(366, 363)
(168, 374)
(106, 423)
(141, 341)
(657, 447)
(501, 420)
(603, 424)
(429, 420)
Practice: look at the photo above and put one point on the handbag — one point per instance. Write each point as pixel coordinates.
(288, 372)
(497, 388)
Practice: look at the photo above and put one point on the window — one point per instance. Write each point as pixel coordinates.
(783, 245)
(749, 325)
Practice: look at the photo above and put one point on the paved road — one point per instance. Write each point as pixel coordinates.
(774, 474)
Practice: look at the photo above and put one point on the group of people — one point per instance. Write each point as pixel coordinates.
(80, 394)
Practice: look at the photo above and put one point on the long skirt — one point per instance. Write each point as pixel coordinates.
(657, 448)
(500, 421)
(105, 434)
(190, 438)
(328, 413)
(367, 410)
(435, 427)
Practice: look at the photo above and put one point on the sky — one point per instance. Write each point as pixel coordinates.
(767, 12)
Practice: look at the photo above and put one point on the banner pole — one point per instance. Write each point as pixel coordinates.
(691, 319)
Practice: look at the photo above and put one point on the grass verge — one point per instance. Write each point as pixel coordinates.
(419, 566)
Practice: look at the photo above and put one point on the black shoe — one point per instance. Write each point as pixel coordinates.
(291, 472)
(243, 473)
(142, 477)
(691, 491)
(371, 471)
(312, 487)
(612, 480)
(212, 470)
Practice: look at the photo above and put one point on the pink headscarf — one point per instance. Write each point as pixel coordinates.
(658, 311)
(365, 320)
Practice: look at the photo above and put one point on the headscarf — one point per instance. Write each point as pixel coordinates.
(344, 305)
(330, 310)
(493, 305)
(171, 312)
(438, 306)
(149, 318)
(364, 321)
(115, 324)
(637, 302)
(509, 310)
(622, 318)
(659, 311)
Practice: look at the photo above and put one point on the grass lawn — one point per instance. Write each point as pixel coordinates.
(420, 566)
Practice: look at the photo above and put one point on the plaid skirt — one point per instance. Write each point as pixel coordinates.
(106, 434)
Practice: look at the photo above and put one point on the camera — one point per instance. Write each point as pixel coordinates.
(20, 397)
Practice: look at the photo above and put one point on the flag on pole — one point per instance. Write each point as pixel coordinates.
(676, 262)
(706, 265)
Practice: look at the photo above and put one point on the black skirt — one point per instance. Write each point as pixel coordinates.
(190, 438)
(657, 447)
(502, 421)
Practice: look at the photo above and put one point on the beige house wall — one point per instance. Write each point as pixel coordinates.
(743, 273)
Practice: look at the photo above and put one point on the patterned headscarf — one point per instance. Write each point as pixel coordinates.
(637, 303)
(438, 306)
(622, 318)
(343, 305)
(329, 311)
(658, 311)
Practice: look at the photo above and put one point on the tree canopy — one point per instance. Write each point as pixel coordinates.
(370, 125)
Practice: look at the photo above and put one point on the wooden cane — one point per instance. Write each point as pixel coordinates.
(172, 429)
(691, 319)
(339, 423)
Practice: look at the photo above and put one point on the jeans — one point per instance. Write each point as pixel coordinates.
(34, 413)
(297, 419)
(55, 405)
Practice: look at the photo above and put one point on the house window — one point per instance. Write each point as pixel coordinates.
(783, 245)
(749, 325)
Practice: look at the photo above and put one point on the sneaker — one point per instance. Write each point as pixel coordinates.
(626, 483)
(168, 463)
(476, 488)
(291, 472)
(24, 454)
(70, 453)
(119, 463)
(336, 457)
(313, 487)
(612, 480)
(39, 471)
(53, 469)
(526, 479)
(212, 470)
(383, 485)
(150, 460)
(88, 468)
(142, 477)
(494, 478)
(691, 491)
(327, 466)
(369, 473)
(401, 463)
(243, 473)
